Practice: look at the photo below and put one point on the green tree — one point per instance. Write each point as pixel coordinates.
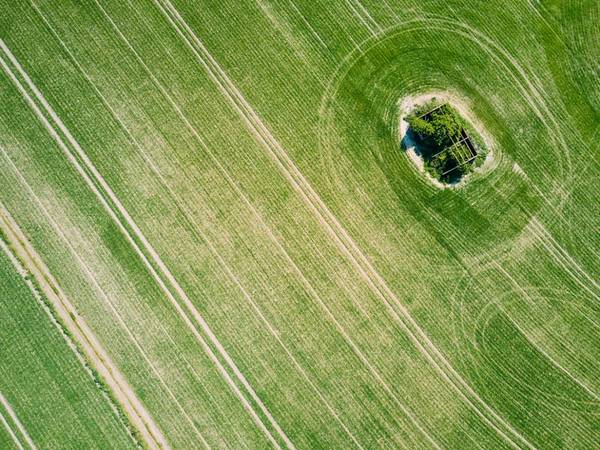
(422, 128)
(446, 126)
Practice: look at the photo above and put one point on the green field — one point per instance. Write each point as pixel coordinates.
(219, 190)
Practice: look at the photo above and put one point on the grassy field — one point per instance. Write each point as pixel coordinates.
(220, 192)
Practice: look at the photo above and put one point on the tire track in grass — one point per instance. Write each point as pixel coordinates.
(522, 292)
(545, 399)
(266, 227)
(82, 334)
(519, 290)
(337, 232)
(10, 432)
(277, 242)
(359, 11)
(552, 361)
(309, 26)
(558, 216)
(17, 423)
(146, 158)
(521, 394)
(96, 285)
(481, 319)
(523, 80)
(548, 241)
(554, 248)
(489, 46)
(98, 185)
(498, 53)
(283, 28)
(187, 214)
(563, 257)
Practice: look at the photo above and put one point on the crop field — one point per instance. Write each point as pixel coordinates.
(220, 242)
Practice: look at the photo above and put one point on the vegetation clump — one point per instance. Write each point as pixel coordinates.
(449, 146)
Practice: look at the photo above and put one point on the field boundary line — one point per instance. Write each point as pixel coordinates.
(103, 185)
(339, 234)
(121, 417)
(77, 326)
(270, 233)
(83, 266)
(17, 423)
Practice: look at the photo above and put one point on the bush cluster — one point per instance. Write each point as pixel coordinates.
(435, 132)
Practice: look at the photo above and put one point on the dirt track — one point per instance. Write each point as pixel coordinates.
(82, 334)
